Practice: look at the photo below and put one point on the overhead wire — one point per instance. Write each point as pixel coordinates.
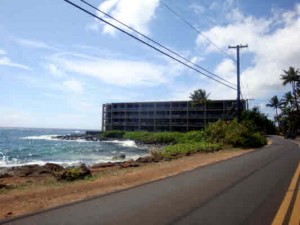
(149, 45)
(155, 42)
(195, 29)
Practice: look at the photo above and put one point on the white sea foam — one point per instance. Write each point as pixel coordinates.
(40, 137)
(51, 137)
(15, 162)
(5, 163)
(127, 143)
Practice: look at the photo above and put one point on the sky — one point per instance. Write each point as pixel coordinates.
(58, 65)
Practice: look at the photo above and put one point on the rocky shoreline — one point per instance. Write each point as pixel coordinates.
(69, 173)
(92, 137)
(84, 137)
(60, 173)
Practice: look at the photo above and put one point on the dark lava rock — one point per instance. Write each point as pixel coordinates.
(5, 172)
(2, 186)
(28, 170)
(73, 173)
(105, 165)
(53, 167)
(128, 164)
(122, 156)
(145, 159)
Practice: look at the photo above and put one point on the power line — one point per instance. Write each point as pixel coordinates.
(195, 29)
(152, 40)
(149, 45)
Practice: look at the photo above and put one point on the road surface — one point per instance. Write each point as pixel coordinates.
(248, 189)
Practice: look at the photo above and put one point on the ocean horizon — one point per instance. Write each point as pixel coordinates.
(28, 146)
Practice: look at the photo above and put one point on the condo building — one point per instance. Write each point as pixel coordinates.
(166, 116)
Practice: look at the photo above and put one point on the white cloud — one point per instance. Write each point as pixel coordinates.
(73, 86)
(54, 70)
(115, 71)
(5, 61)
(228, 69)
(134, 13)
(273, 48)
(33, 44)
(197, 8)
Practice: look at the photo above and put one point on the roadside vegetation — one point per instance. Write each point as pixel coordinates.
(287, 112)
(218, 134)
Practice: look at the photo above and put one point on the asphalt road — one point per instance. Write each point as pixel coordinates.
(244, 190)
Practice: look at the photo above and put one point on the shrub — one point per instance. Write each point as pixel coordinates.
(256, 140)
(113, 134)
(192, 136)
(141, 136)
(234, 133)
(215, 132)
(177, 150)
(154, 138)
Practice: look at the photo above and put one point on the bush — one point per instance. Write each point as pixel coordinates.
(192, 136)
(256, 140)
(154, 138)
(215, 132)
(234, 133)
(177, 150)
(113, 134)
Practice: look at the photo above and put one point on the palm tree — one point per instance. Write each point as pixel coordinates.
(292, 76)
(198, 97)
(287, 101)
(274, 103)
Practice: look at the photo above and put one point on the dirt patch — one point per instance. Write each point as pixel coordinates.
(38, 193)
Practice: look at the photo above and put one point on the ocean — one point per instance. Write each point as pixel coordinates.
(27, 146)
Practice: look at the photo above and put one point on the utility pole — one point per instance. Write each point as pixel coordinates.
(238, 47)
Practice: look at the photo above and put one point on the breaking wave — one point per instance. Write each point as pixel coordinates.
(127, 143)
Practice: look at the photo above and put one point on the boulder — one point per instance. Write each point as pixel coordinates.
(2, 186)
(52, 167)
(73, 173)
(105, 165)
(118, 157)
(28, 170)
(128, 164)
(5, 172)
(145, 159)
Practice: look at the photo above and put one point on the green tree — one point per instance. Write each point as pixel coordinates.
(275, 103)
(258, 121)
(292, 76)
(200, 97)
(287, 101)
(289, 117)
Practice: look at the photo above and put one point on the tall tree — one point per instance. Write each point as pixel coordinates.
(292, 76)
(199, 96)
(274, 103)
(287, 101)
